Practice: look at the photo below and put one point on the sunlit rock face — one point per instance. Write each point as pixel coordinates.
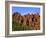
(32, 20)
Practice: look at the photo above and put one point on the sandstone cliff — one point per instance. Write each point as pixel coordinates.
(32, 20)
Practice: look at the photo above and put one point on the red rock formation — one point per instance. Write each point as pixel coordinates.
(32, 20)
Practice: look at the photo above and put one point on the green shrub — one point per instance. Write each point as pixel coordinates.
(19, 26)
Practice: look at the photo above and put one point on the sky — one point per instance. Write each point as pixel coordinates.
(25, 10)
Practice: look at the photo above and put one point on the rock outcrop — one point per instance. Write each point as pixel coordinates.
(32, 20)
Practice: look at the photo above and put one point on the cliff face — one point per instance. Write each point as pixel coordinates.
(32, 20)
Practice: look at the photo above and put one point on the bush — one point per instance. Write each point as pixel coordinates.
(19, 26)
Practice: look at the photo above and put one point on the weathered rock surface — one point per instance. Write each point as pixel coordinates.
(32, 20)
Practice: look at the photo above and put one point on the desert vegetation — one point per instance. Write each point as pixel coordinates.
(25, 22)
